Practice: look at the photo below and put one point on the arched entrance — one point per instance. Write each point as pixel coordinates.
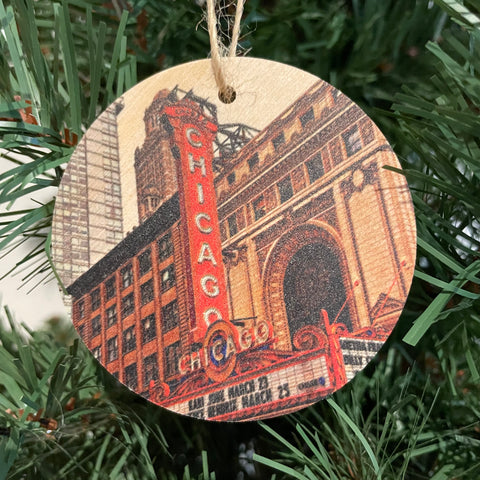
(305, 272)
(314, 281)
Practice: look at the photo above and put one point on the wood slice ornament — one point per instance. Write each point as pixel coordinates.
(234, 261)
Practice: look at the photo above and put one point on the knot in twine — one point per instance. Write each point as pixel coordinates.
(226, 92)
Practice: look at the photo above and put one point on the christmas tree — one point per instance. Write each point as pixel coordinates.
(413, 413)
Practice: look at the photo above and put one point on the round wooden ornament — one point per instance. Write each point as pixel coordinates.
(234, 261)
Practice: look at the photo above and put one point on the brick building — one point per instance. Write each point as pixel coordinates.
(154, 164)
(314, 233)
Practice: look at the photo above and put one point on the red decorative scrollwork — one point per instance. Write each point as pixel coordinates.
(310, 337)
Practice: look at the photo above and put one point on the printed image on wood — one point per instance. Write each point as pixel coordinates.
(234, 262)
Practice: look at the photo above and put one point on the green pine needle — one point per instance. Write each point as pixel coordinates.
(63, 86)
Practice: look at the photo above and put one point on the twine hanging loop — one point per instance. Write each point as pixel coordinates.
(226, 92)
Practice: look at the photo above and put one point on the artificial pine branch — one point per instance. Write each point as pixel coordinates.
(439, 122)
(57, 418)
(52, 88)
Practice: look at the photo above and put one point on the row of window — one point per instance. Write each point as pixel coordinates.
(167, 281)
(170, 319)
(285, 192)
(279, 140)
(277, 143)
(169, 312)
(150, 365)
(284, 187)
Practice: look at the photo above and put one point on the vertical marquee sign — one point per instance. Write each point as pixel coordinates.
(192, 144)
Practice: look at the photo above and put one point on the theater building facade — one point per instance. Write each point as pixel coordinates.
(310, 271)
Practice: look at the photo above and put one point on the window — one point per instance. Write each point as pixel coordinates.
(112, 349)
(131, 380)
(127, 276)
(81, 308)
(150, 369)
(151, 203)
(145, 262)
(169, 316)
(278, 141)
(149, 329)
(129, 340)
(315, 167)
(165, 247)
(352, 140)
(96, 326)
(253, 161)
(231, 178)
(259, 209)
(81, 330)
(366, 129)
(97, 353)
(95, 297)
(128, 305)
(307, 117)
(110, 289)
(168, 277)
(285, 189)
(172, 353)
(232, 225)
(112, 315)
(146, 292)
